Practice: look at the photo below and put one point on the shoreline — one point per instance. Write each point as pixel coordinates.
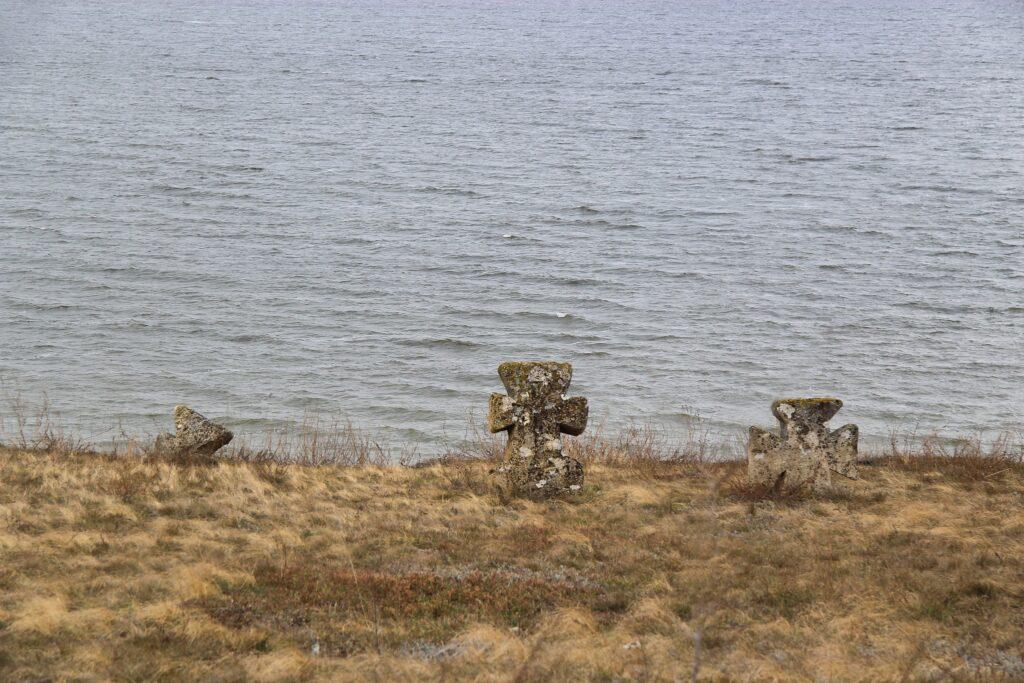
(319, 439)
(728, 436)
(322, 442)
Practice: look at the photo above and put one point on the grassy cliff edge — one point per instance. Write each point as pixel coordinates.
(135, 568)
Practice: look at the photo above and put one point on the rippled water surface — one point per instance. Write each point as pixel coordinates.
(264, 208)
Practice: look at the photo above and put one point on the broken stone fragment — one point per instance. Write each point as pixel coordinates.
(804, 452)
(195, 435)
(535, 413)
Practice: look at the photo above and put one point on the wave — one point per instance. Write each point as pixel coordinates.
(37, 306)
(765, 81)
(954, 252)
(31, 212)
(810, 159)
(444, 343)
(248, 338)
(449, 191)
(567, 281)
(549, 316)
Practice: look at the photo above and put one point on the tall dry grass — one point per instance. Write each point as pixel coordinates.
(322, 440)
(34, 428)
(646, 447)
(136, 568)
(971, 458)
(317, 441)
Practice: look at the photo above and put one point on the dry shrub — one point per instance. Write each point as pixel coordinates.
(131, 481)
(468, 476)
(645, 450)
(963, 459)
(266, 466)
(353, 610)
(154, 453)
(737, 486)
(318, 441)
(477, 445)
(314, 442)
(8, 578)
(36, 429)
(467, 464)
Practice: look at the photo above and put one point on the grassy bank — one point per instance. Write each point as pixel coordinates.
(666, 567)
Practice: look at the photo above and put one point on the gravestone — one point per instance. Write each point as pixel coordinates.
(804, 452)
(194, 435)
(536, 413)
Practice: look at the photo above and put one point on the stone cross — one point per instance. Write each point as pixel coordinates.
(536, 413)
(194, 435)
(804, 451)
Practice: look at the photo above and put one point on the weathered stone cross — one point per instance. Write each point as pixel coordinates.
(804, 451)
(194, 435)
(536, 413)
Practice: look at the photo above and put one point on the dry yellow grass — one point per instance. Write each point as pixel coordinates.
(132, 569)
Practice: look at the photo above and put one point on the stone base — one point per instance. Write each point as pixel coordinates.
(554, 476)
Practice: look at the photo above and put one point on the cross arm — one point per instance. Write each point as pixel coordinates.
(844, 437)
(572, 415)
(500, 413)
(762, 440)
(842, 452)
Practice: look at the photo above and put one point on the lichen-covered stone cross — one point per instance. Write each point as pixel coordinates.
(536, 413)
(194, 435)
(804, 451)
